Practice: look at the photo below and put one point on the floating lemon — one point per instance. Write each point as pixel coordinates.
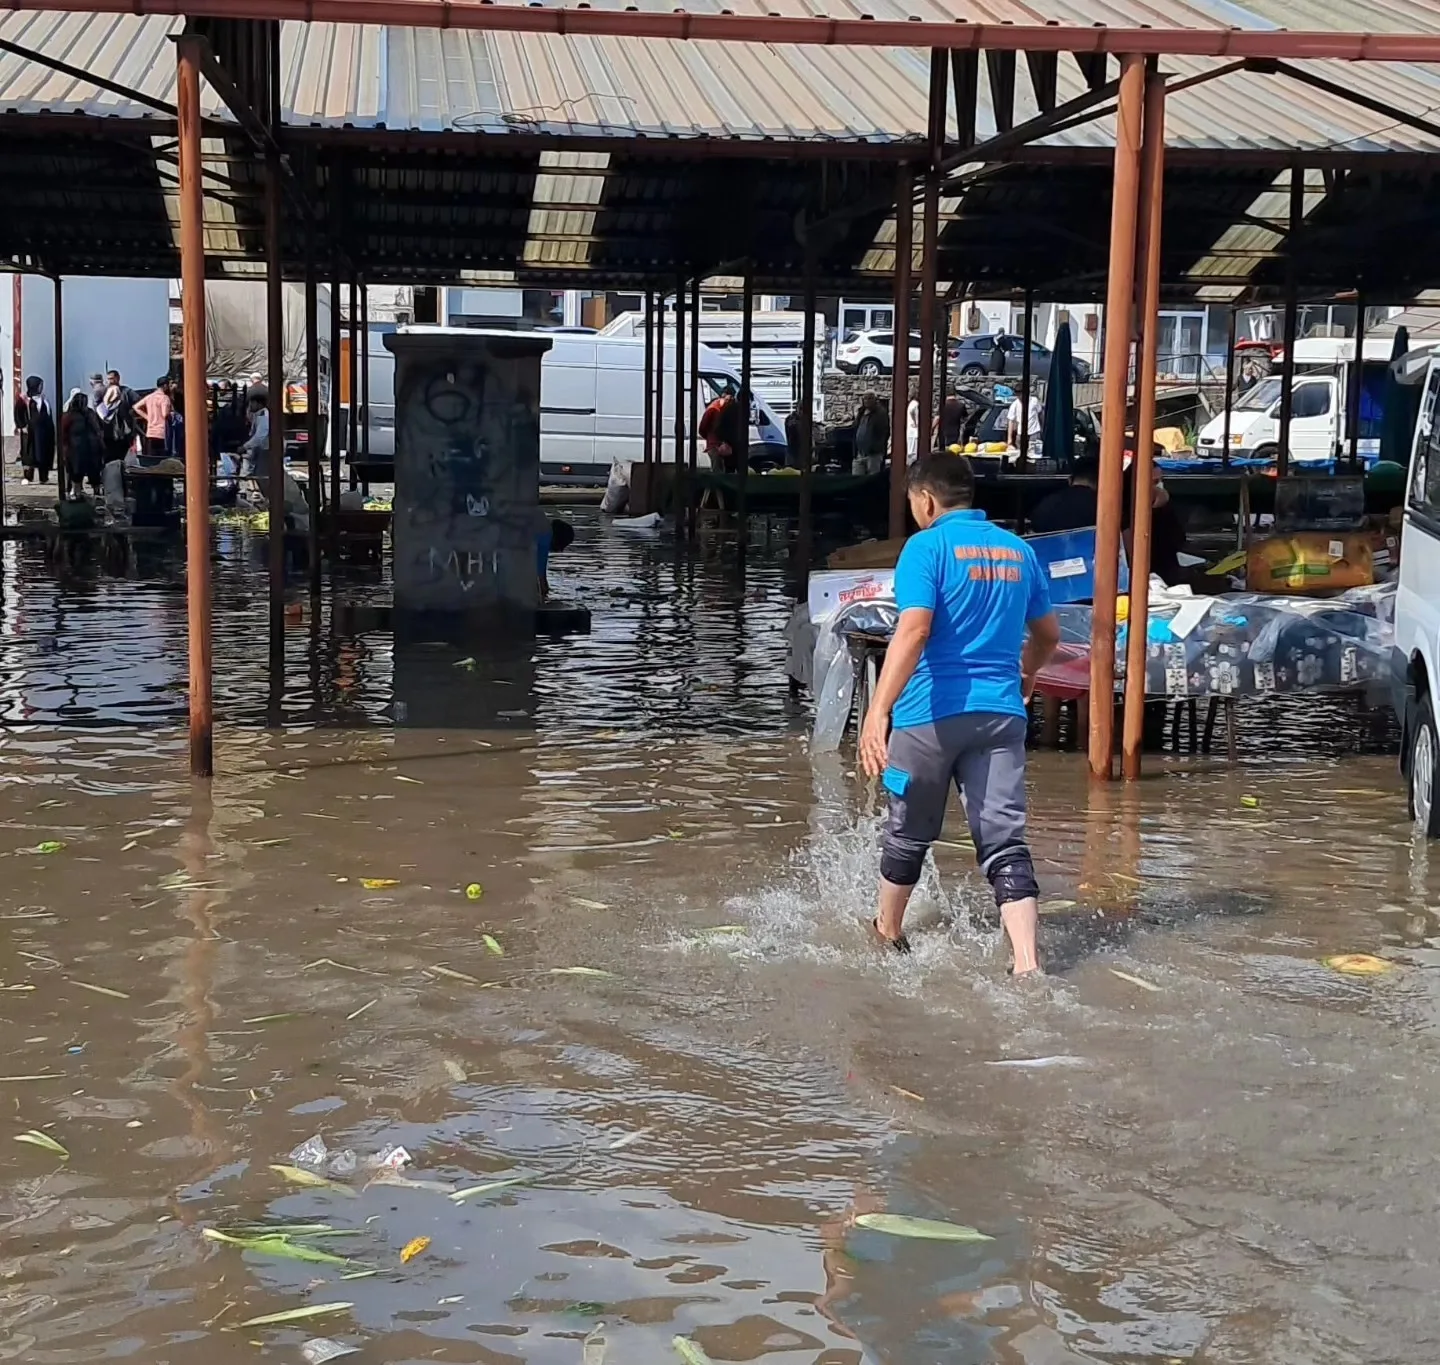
(474, 891)
(1357, 964)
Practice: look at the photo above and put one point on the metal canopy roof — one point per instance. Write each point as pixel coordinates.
(443, 155)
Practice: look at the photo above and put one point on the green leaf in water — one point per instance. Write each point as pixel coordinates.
(313, 1310)
(35, 1138)
(929, 1229)
(298, 1176)
(475, 1191)
(690, 1352)
(493, 944)
(278, 1245)
(50, 846)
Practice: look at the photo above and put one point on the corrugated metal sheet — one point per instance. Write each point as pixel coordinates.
(337, 75)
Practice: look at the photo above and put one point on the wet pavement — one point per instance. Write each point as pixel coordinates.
(1223, 1155)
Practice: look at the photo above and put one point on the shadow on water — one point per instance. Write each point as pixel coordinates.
(588, 918)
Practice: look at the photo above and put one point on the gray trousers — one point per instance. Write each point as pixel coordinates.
(983, 754)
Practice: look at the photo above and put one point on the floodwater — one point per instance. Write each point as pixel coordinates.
(1225, 1155)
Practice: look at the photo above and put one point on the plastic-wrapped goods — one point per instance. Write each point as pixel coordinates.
(837, 664)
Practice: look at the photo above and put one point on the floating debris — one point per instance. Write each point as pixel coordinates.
(1250, 802)
(927, 1229)
(99, 990)
(1039, 1063)
(1135, 980)
(475, 1191)
(35, 1138)
(1358, 964)
(474, 891)
(362, 1009)
(314, 1310)
(379, 883)
(690, 1352)
(579, 971)
(277, 1244)
(493, 944)
(621, 1143)
(296, 1176)
(322, 1350)
(413, 1248)
(453, 974)
(455, 1071)
(908, 1094)
(589, 904)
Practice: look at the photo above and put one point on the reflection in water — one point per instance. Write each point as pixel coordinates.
(1223, 1168)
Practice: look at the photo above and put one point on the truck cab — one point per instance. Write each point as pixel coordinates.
(1416, 658)
(1319, 410)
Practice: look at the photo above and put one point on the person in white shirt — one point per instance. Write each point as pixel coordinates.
(1035, 424)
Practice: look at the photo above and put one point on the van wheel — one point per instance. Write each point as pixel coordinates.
(1270, 452)
(871, 367)
(1424, 769)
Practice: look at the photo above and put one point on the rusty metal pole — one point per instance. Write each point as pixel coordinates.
(1152, 197)
(682, 491)
(1229, 393)
(694, 396)
(275, 455)
(312, 403)
(57, 400)
(1292, 319)
(1357, 377)
(900, 369)
(1025, 377)
(649, 436)
(352, 395)
(807, 418)
(1119, 302)
(197, 434)
(659, 422)
(337, 414)
(929, 232)
(747, 399)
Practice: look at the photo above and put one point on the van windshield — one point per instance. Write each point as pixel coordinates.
(1260, 397)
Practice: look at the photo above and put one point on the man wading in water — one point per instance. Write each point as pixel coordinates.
(975, 628)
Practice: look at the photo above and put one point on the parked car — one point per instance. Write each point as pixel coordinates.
(974, 355)
(990, 426)
(873, 352)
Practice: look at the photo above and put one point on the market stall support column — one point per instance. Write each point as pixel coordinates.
(1357, 376)
(275, 454)
(742, 456)
(352, 395)
(364, 371)
(929, 232)
(942, 352)
(1119, 301)
(57, 400)
(694, 395)
(1152, 194)
(900, 369)
(649, 452)
(807, 416)
(1292, 318)
(337, 416)
(1229, 393)
(659, 420)
(1025, 378)
(682, 492)
(197, 435)
(312, 403)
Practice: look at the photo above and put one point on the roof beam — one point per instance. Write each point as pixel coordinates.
(1001, 67)
(1369, 102)
(1276, 44)
(87, 77)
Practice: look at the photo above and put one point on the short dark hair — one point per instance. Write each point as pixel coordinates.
(1086, 467)
(948, 478)
(562, 534)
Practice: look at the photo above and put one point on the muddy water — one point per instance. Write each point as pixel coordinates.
(1234, 1166)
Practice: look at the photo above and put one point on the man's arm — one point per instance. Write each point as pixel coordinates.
(1041, 641)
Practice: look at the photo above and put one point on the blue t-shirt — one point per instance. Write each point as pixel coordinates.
(983, 584)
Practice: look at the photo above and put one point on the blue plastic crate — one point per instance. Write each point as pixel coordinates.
(1067, 558)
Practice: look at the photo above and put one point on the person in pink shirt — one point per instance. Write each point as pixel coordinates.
(154, 410)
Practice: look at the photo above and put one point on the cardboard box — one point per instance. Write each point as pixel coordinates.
(1311, 562)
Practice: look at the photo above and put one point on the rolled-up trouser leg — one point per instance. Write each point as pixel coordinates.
(918, 782)
(990, 772)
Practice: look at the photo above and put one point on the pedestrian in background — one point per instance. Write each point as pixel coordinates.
(82, 443)
(154, 410)
(35, 422)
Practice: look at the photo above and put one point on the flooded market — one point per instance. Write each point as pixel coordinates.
(468, 743)
(1191, 1141)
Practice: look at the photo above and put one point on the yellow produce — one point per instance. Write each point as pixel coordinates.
(1357, 964)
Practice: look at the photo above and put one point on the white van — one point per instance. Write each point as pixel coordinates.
(777, 345)
(1320, 409)
(1417, 599)
(592, 404)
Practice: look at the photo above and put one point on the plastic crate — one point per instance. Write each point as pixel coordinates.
(1067, 558)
